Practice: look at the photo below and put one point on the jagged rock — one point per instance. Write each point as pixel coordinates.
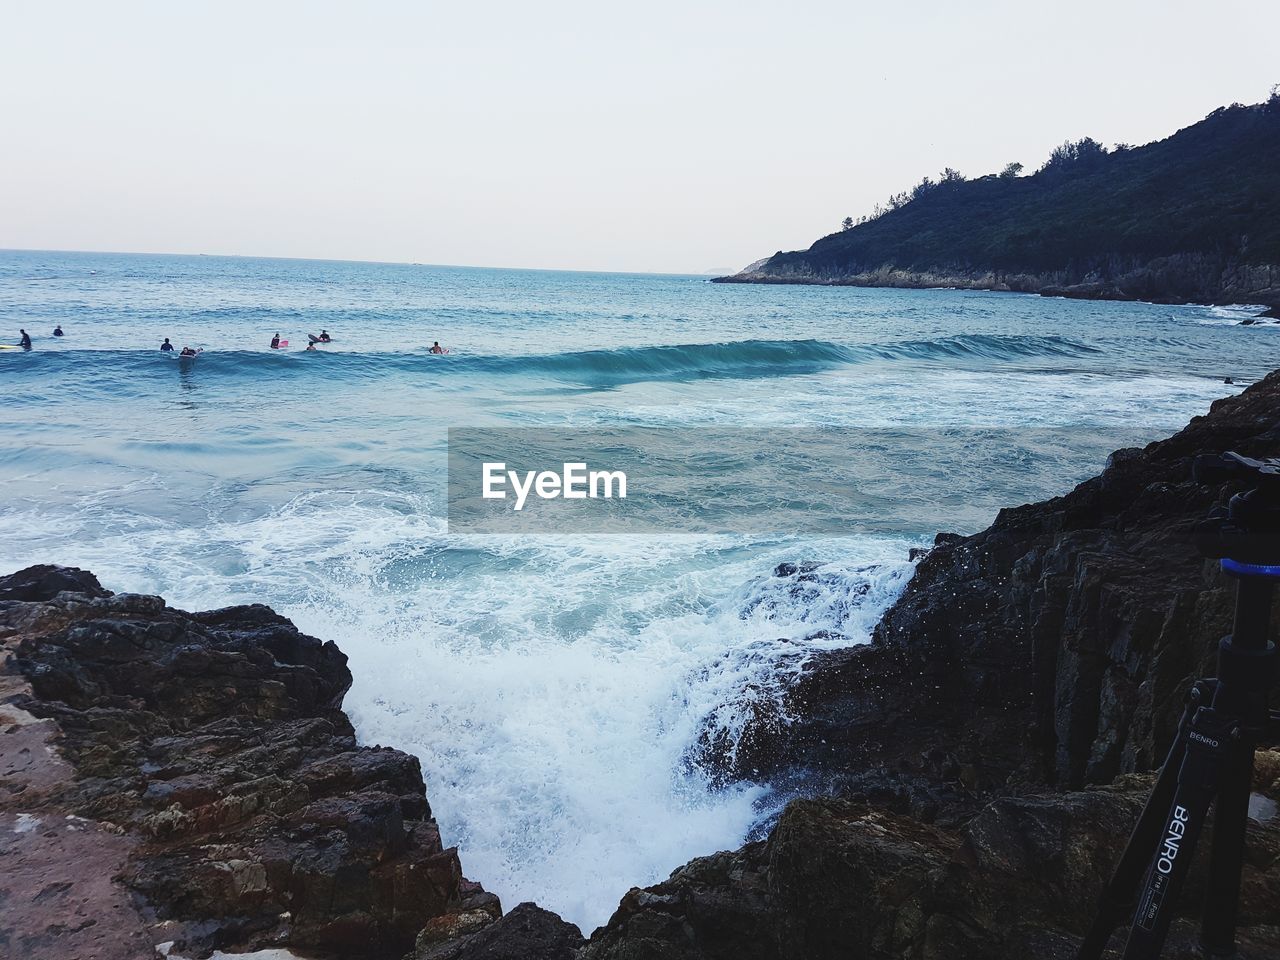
(1049, 652)
(45, 581)
(526, 933)
(214, 745)
(1052, 649)
(839, 879)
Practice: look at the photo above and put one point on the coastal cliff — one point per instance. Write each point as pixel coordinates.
(1192, 218)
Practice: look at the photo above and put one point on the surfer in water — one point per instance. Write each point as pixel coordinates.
(436, 348)
(275, 342)
(166, 346)
(311, 345)
(57, 331)
(324, 336)
(188, 352)
(25, 342)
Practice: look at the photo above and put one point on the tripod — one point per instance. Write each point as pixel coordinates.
(1211, 760)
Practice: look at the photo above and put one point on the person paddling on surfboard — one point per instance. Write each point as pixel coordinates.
(25, 342)
(166, 346)
(188, 352)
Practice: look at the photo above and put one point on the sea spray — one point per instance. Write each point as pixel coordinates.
(554, 728)
(552, 687)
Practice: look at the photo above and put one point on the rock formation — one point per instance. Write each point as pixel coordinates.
(1043, 655)
(191, 780)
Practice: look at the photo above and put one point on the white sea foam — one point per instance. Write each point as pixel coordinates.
(552, 688)
(1234, 313)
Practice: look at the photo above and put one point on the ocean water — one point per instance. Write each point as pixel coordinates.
(552, 686)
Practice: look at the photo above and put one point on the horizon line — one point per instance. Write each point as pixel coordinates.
(387, 263)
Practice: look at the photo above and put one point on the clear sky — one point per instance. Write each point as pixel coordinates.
(650, 136)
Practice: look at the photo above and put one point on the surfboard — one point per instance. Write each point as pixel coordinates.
(7, 346)
(284, 343)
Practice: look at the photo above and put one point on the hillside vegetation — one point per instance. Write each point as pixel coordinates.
(1194, 216)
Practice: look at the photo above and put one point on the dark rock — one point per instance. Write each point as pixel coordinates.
(45, 581)
(215, 743)
(788, 569)
(1052, 649)
(839, 879)
(1047, 653)
(526, 933)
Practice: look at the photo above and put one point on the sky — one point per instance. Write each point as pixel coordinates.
(652, 137)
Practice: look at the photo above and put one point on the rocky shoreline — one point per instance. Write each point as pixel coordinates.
(986, 755)
(190, 780)
(970, 775)
(1180, 279)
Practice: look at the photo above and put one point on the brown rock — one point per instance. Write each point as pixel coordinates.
(216, 771)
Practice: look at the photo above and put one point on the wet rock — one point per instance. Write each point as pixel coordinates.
(1046, 654)
(789, 569)
(45, 581)
(215, 746)
(839, 879)
(1052, 649)
(526, 933)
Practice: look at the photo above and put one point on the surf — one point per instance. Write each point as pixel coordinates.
(601, 368)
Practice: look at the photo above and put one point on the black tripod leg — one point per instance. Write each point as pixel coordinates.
(1210, 748)
(1246, 667)
(1231, 815)
(1115, 903)
(1166, 874)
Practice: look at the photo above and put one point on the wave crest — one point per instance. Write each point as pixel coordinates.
(742, 359)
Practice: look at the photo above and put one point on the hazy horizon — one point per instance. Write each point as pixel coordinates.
(569, 137)
(394, 263)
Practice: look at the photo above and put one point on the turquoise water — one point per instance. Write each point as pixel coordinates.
(551, 685)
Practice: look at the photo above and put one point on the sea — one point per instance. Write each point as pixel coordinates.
(554, 685)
